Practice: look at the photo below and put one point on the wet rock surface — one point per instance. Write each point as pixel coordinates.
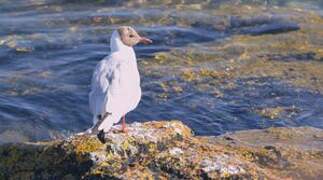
(169, 150)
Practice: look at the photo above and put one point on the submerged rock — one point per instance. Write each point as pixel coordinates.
(274, 28)
(168, 149)
(263, 25)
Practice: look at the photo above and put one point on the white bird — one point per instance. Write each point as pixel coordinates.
(115, 87)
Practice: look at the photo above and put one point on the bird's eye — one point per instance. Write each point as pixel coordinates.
(131, 36)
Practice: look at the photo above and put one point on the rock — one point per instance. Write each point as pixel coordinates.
(309, 56)
(238, 22)
(169, 150)
(262, 25)
(278, 112)
(273, 28)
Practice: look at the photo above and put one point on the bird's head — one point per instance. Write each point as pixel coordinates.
(130, 37)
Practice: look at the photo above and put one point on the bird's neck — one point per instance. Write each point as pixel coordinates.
(117, 46)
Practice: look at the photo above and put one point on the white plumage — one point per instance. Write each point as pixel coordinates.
(115, 86)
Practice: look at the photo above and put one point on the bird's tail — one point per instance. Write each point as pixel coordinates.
(108, 122)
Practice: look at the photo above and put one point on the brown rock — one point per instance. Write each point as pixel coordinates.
(168, 150)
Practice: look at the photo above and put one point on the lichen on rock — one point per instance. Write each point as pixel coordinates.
(168, 150)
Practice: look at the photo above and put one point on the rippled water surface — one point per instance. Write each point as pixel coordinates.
(48, 50)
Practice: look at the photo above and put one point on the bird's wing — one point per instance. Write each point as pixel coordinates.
(99, 86)
(110, 102)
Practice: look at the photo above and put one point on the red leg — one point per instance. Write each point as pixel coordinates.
(124, 128)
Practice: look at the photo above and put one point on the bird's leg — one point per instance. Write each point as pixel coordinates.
(124, 128)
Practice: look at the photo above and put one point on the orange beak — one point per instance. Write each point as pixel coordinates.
(145, 40)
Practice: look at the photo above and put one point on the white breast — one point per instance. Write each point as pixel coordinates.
(130, 84)
(124, 90)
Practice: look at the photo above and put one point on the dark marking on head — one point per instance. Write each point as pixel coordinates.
(128, 36)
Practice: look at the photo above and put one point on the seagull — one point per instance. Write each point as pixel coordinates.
(115, 86)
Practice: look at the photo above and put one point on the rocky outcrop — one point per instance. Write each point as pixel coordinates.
(169, 150)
